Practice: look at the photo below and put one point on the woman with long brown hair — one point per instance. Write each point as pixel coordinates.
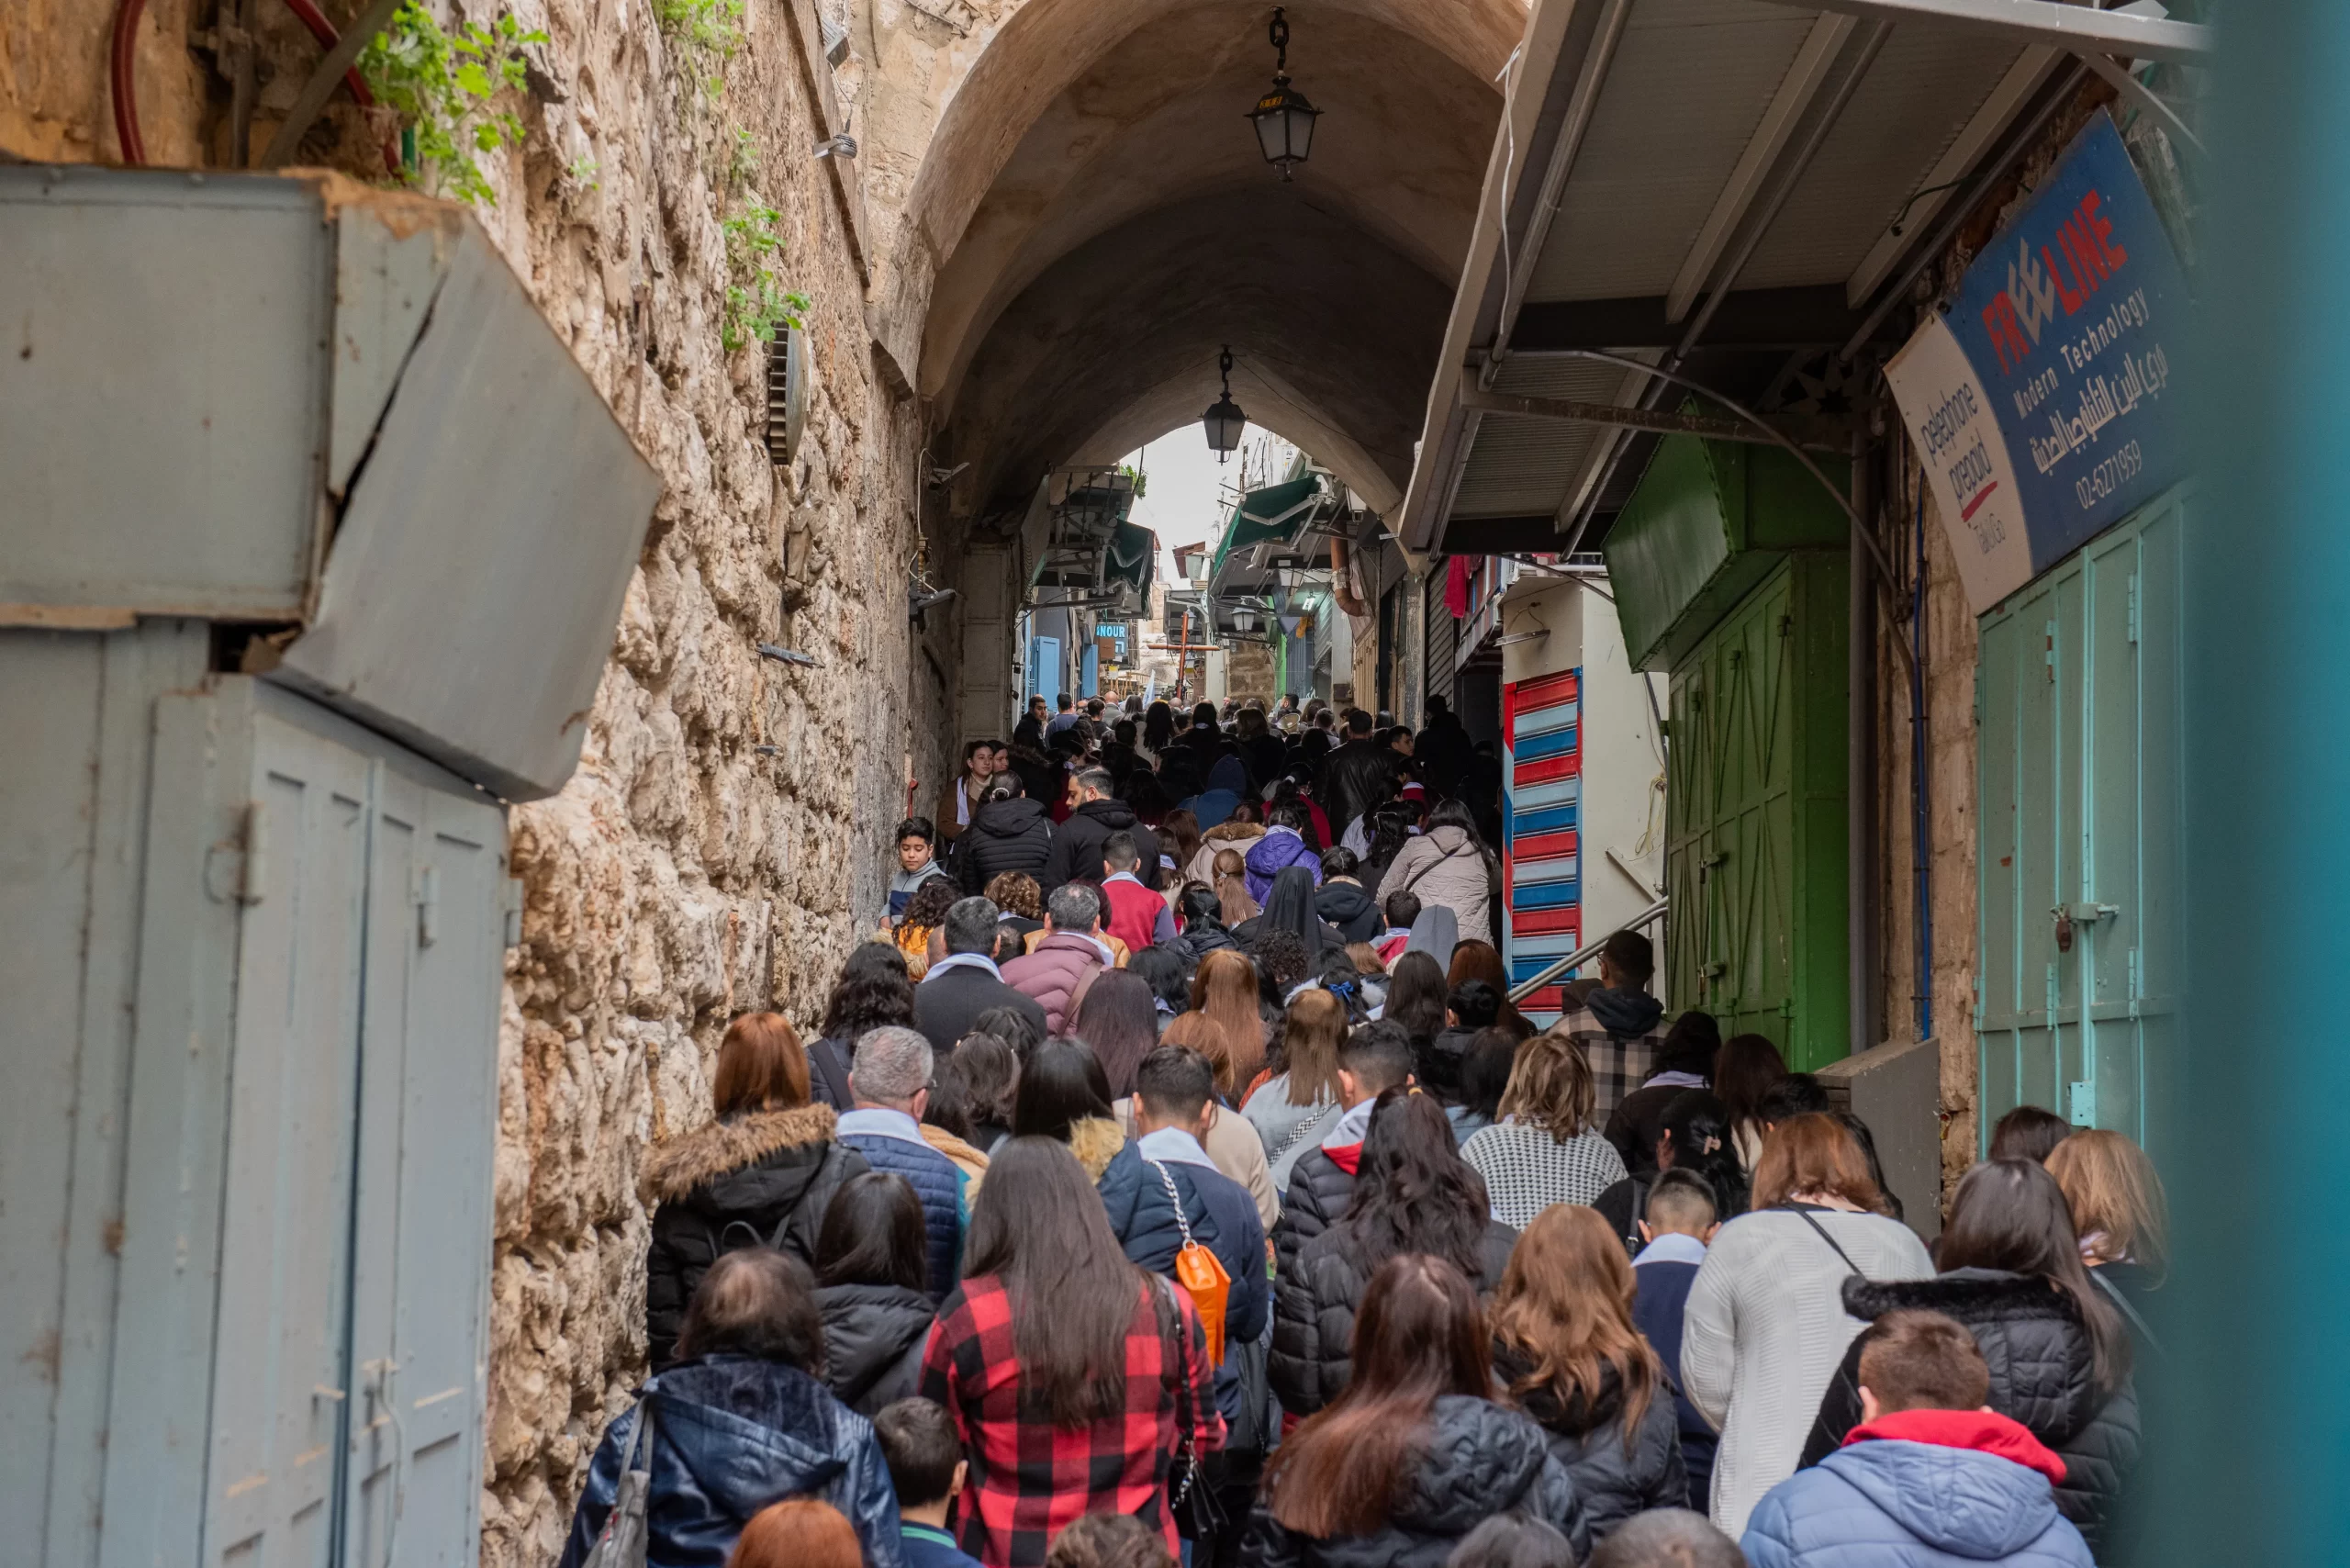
(1224, 990)
(1300, 1103)
(1077, 1380)
(1414, 1452)
(2119, 1208)
(1232, 888)
(1565, 1347)
(1745, 1068)
(1765, 1324)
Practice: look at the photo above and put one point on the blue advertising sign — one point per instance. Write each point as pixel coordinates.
(2039, 400)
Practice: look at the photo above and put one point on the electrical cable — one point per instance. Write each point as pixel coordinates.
(121, 62)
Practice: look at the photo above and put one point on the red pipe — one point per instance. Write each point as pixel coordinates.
(310, 16)
(126, 91)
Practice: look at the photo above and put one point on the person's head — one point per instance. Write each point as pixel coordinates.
(1486, 1069)
(1472, 1004)
(2116, 1198)
(2012, 1214)
(1039, 1227)
(1914, 1360)
(2028, 1133)
(1797, 1095)
(873, 991)
(1565, 1305)
(978, 758)
(926, 911)
(1013, 1028)
(1455, 813)
(1198, 906)
(1551, 1086)
(1108, 1540)
(1093, 708)
(1119, 1018)
(761, 1067)
(1196, 1032)
(924, 1453)
(1204, 716)
(1250, 722)
(1667, 1538)
(1313, 1026)
(1092, 783)
(1065, 702)
(872, 1234)
(1812, 1157)
(1389, 829)
(1513, 1540)
(1016, 892)
(1694, 1137)
(1691, 1044)
(1291, 814)
(1627, 962)
(1418, 997)
(988, 1068)
(1174, 1087)
(1061, 1085)
(798, 1533)
(1358, 725)
(1744, 1070)
(755, 1302)
(1037, 706)
(1681, 1203)
(1161, 969)
(916, 840)
(1073, 906)
(1179, 836)
(1373, 1059)
(1282, 957)
(1476, 960)
(1120, 853)
(1419, 1334)
(970, 925)
(1158, 725)
(891, 1070)
(1366, 959)
(1399, 740)
(1413, 1191)
(1339, 864)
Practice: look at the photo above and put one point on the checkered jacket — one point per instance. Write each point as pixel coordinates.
(1028, 1477)
(1620, 1063)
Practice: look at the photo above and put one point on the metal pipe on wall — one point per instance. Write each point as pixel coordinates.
(1862, 881)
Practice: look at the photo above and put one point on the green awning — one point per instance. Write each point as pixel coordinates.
(1272, 515)
(1133, 556)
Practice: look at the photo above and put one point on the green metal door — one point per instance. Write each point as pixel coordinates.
(1755, 839)
(2077, 749)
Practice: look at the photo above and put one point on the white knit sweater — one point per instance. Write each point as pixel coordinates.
(1765, 1329)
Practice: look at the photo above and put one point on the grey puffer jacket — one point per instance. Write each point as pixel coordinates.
(1616, 1479)
(1478, 1460)
(2038, 1349)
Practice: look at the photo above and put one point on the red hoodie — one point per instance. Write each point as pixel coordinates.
(1979, 1430)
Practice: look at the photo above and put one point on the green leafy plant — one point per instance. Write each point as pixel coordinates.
(584, 172)
(757, 305)
(1140, 478)
(711, 29)
(742, 163)
(442, 84)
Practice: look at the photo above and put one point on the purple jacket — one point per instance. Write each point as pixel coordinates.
(1273, 854)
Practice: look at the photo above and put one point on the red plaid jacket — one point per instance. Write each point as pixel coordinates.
(1028, 1477)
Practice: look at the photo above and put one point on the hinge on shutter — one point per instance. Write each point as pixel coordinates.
(236, 870)
(2052, 650)
(1978, 1001)
(2052, 994)
(425, 889)
(2134, 607)
(513, 912)
(2137, 973)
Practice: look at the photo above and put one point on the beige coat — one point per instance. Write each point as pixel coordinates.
(1443, 868)
(1224, 836)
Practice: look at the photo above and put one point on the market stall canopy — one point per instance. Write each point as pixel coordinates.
(1274, 515)
(1724, 187)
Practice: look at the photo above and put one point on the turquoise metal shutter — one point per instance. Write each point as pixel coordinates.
(2078, 753)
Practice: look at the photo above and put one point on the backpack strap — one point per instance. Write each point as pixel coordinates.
(2114, 1293)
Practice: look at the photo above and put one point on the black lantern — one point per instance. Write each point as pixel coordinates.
(1284, 119)
(1224, 419)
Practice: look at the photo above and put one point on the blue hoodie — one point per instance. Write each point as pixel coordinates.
(1884, 1502)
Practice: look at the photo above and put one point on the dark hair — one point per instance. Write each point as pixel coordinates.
(2012, 1214)
(1691, 1044)
(1389, 830)
(1744, 1069)
(1337, 975)
(1120, 850)
(985, 1070)
(1013, 1028)
(1797, 1095)
(1062, 1084)
(1039, 1227)
(1914, 1360)
(1200, 907)
(1175, 1081)
(1339, 861)
(927, 908)
(1413, 1191)
(873, 1235)
(761, 1067)
(1280, 957)
(1632, 957)
(921, 1448)
(916, 828)
(1203, 715)
(1163, 972)
(1179, 838)
(1157, 726)
(1484, 1069)
(1699, 1125)
(1513, 1540)
(2029, 1133)
(1291, 813)
(1401, 908)
(1379, 1054)
(970, 925)
(1454, 813)
(1416, 998)
(1108, 1540)
(1118, 1020)
(756, 1302)
(1096, 780)
(1474, 1004)
(872, 993)
(949, 1105)
(1419, 1334)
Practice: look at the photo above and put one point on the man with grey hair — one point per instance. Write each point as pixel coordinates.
(966, 982)
(889, 1080)
(1062, 968)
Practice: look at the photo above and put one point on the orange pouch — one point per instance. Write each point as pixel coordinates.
(1199, 1272)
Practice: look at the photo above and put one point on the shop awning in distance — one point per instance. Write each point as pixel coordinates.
(1133, 557)
(1273, 515)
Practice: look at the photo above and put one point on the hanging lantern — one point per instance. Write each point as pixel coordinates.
(1223, 420)
(1284, 120)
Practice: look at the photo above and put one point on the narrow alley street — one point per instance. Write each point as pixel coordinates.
(1606, 705)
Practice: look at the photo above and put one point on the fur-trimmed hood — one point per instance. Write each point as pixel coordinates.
(1095, 1142)
(1227, 834)
(719, 1147)
(2031, 1335)
(1971, 1295)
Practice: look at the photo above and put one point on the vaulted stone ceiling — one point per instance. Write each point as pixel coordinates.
(1096, 221)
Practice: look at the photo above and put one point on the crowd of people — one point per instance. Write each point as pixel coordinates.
(1169, 1181)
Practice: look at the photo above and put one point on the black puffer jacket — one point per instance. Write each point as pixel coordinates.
(1347, 906)
(1077, 845)
(1004, 835)
(1477, 1459)
(2038, 1350)
(1319, 1191)
(1614, 1480)
(873, 1343)
(1314, 1312)
(761, 1178)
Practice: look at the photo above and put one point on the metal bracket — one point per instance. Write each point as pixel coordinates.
(2082, 1104)
(788, 656)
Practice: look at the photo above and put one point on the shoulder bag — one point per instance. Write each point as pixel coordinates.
(1200, 1272)
(626, 1537)
(1191, 1490)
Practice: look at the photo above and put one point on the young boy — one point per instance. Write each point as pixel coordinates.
(1930, 1478)
(1401, 909)
(1678, 1224)
(917, 862)
(924, 1454)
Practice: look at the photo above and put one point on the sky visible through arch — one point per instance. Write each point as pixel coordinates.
(1189, 493)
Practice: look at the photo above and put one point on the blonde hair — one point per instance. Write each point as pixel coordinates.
(1198, 1032)
(1551, 1086)
(2116, 1198)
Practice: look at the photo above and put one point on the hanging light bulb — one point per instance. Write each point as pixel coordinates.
(1284, 120)
(1223, 421)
